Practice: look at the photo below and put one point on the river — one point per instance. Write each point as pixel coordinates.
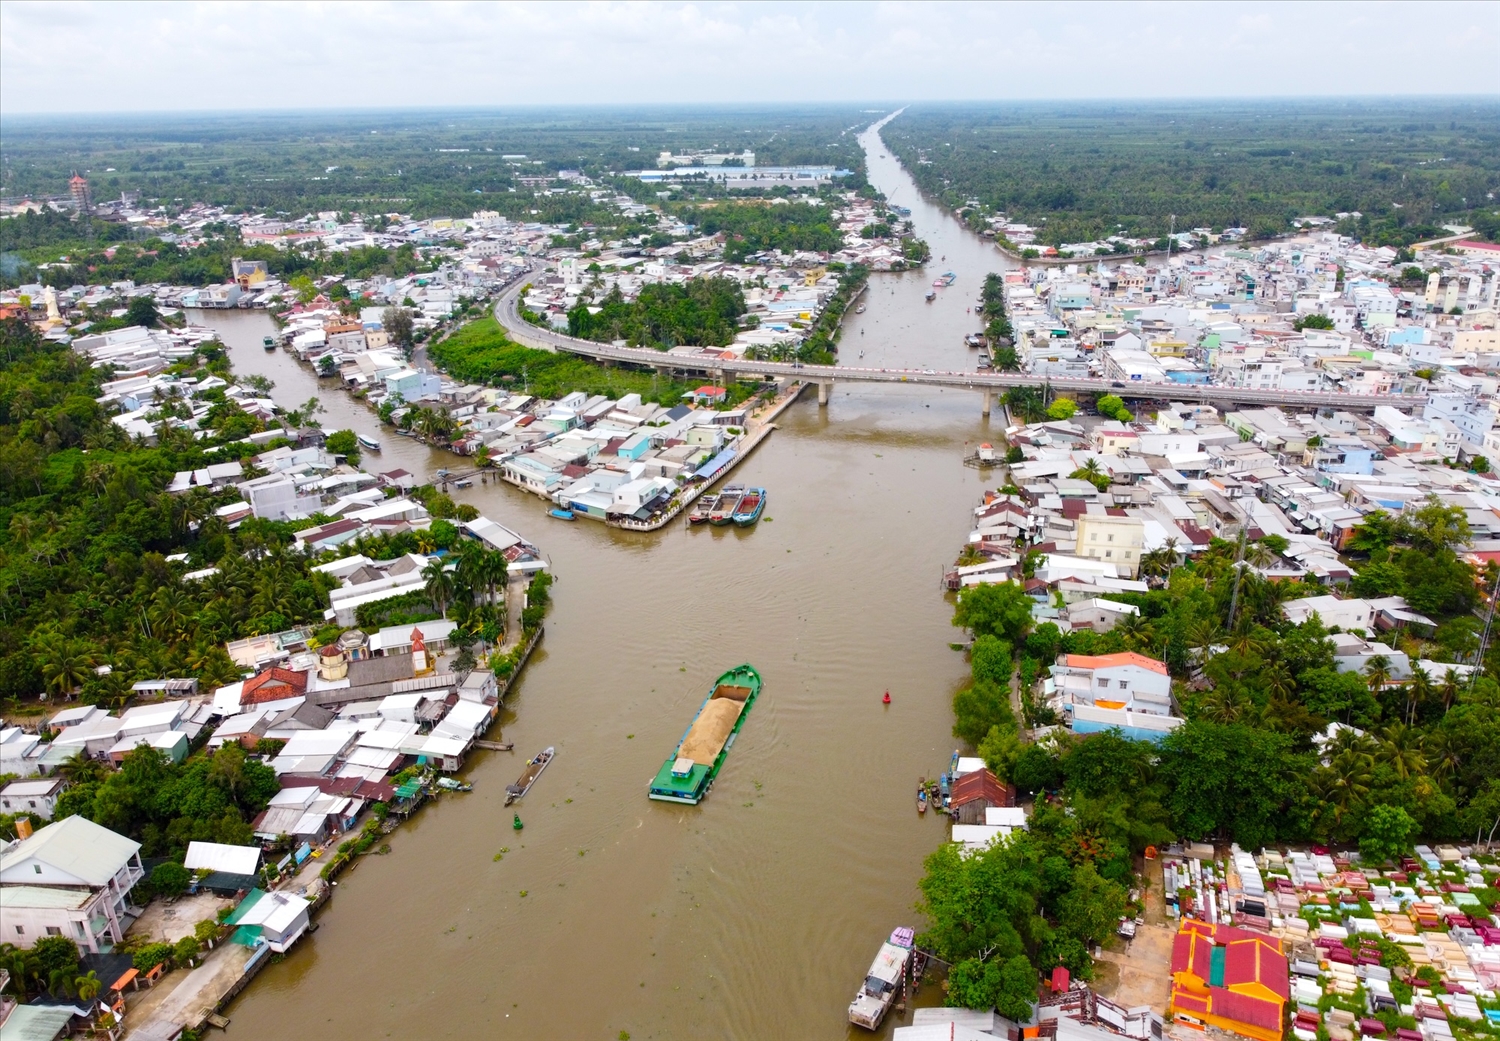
(756, 914)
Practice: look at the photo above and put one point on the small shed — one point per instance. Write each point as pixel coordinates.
(975, 792)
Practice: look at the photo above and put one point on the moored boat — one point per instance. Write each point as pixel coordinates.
(931, 296)
(534, 768)
(751, 506)
(887, 975)
(729, 502)
(702, 508)
(561, 514)
(689, 772)
(922, 796)
(369, 444)
(268, 343)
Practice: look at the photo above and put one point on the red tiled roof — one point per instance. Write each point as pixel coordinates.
(982, 785)
(273, 685)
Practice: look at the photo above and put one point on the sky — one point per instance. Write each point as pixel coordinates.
(187, 56)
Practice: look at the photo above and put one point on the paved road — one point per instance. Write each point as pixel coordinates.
(507, 314)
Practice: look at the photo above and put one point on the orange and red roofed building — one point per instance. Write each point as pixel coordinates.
(273, 684)
(1231, 978)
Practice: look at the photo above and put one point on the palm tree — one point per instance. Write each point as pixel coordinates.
(171, 612)
(1378, 673)
(1419, 691)
(440, 584)
(1278, 680)
(1443, 754)
(1401, 747)
(1202, 635)
(1244, 639)
(1260, 555)
(66, 663)
(1224, 704)
(88, 986)
(1136, 632)
(1448, 689)
(1344, 783)
(80, 767)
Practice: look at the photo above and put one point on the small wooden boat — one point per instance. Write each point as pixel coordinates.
(922, 796)
(931, 295)
(369, 444)
(534, 768)
(860, 309)
(448, 784)
(268, 343)
(752, 505)
(727, 506)
(702, 509)
(561, 514)
(886, 975)
(465, 483)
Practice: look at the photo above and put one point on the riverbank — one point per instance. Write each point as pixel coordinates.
(761, 890)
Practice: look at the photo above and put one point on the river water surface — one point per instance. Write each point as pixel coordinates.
(756, 914)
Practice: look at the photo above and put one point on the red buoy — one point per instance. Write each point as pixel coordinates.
(887, 698)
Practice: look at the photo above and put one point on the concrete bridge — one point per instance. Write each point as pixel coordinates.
(985, 383)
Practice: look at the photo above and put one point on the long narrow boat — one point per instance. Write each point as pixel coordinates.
(702, 509)
(887, 975)
(751, 506)
(534, 768)
(689, 772)
(369, 444)
(729, 501)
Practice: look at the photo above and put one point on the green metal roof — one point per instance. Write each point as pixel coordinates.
(251, 899)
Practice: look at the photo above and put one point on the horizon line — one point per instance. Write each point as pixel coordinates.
(1492, 97)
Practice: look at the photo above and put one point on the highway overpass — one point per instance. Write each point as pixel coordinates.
(987, 383)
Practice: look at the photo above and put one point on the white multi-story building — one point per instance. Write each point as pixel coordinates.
(72, 878)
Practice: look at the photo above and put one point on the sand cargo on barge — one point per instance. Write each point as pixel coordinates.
(690, 770)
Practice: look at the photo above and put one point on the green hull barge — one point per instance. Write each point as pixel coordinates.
(689, 771)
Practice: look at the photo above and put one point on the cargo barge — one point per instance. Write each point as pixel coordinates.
(689, 771)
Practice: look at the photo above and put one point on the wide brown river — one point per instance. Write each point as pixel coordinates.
(755, 914)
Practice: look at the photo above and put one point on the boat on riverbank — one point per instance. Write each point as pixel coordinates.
(561, 514)
(887, 974)
(534, 768)
(976, 340)
(729, 502)
(702, 509)
(689, 772)
(369, 444)
(751, 506)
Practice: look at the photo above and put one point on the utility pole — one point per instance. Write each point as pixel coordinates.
(1171, 238)
(1239, 573)
(1484, 639)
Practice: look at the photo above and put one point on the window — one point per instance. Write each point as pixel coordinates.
(53, 930)
(1109, 553)
(1094, 537)
(1103, 683)
(1111, 538)
(20, 931)
(1124, 684)
(37, 868)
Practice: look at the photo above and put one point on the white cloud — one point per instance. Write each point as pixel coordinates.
(92, 57)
